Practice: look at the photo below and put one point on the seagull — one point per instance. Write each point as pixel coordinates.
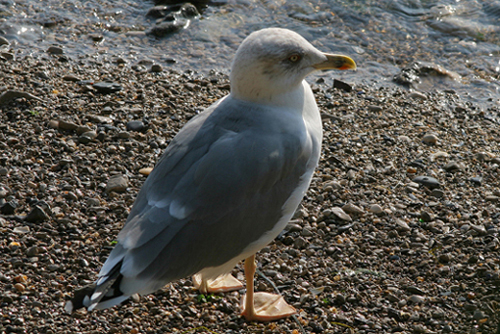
(229, 181)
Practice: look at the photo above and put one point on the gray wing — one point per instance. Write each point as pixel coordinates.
(219, 186)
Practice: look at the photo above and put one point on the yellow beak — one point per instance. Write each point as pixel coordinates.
(336, 62)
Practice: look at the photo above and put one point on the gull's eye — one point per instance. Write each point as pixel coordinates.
(294, 58)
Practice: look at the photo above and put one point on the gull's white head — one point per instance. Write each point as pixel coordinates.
(271, 62)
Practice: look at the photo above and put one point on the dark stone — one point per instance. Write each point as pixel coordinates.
(342, 85)
(427, 181)
(106, 87)
(419, 163)
(477, 180)
(136, 126)
(9, 208)
(173, 21)
(166, 28)
(37, 214)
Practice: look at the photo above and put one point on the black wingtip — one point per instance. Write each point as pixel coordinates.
(81, 298)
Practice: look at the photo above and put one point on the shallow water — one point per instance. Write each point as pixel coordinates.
(463, 37)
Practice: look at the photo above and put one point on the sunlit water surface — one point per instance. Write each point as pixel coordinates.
(463, 37)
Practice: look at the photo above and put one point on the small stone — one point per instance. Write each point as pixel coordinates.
(376, 209)
(415, 290)
(4, 41)
(374, 108)
(145, 171)
(117, 183)
(427, 181)
(7, 55)
(351, 208)
(417, 96)
(402, 226)
(54, 124)
(37, 214)
(342, 85)
(9, 208)
(477, 180)
(156, 68)
(19, 287)
(124, 135)
(445, 258)
(87, 137)
(426, 216)
(480, 229)
(66, 125)
(55, 50)
(452, 167)
(478, 315)
(107, 87)
(492, 198)
(437, 193)
(341, 214)
(416, 299)
(484, 156)
(21, 229)
(430, 139)
(300, 242)
(82, 129)
(32, 251)
(136, 126)
(71, 77)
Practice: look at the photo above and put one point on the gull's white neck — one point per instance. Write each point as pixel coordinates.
(292, 98)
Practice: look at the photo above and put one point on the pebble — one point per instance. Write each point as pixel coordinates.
(300, 243)
(430, 139)
(416, 299)
(32, 251)
(374, 108)
(9, 208)
(415, 290)
(426, 216)
(156, 68)
(427, 181)
(136, 126)
(4, 41)
(437, 193)
(117, 183)
(402, 226)
(107, 87)
(55, 50)
(438, 155)
(145, 171)
(339, 213)
(36, 215)
(351, 208)
(417, 95)
(19, 287)
(476, 180)
(478, 315)
(71, 77)
(452, 167)
(376, 209)
(339, 84)
(492, 198)
(66, 125)
(87, 137)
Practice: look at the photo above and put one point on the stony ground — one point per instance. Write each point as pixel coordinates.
(399, 232)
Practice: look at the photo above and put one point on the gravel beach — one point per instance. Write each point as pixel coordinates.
(399, 232)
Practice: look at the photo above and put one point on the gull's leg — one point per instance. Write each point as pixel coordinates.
(223, 283)
(262, 306)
